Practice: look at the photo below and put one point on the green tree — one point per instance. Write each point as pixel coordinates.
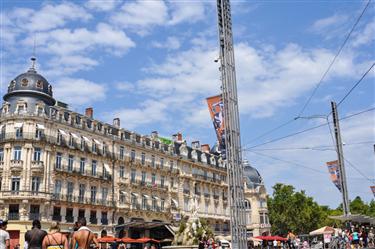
(357, 206)
(290, 210)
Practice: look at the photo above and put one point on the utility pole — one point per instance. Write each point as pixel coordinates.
(340, 156)
(232, 127)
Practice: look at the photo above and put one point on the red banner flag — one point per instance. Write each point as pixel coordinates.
(333, 169)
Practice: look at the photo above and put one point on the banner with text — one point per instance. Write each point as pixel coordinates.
(333, 169)
(373, 189)
(215, 106)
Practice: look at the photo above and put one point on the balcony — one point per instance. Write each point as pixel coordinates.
(69, 219)
(13, 216)
(37, 166)
(34, 216)
(186, 191)
(207, 195)
(104, 221)
(16, 165)
(93, 220)
(56, 217)
(197, 193)
(216, 197)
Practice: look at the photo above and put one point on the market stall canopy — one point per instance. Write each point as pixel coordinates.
(271, 238)
(128, 240)
(323, 230)
(108, 239)
(147, 240)
(356, 218)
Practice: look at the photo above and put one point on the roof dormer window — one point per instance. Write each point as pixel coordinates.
(24, 82)
(39, 84)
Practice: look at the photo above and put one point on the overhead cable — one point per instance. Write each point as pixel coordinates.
(334, 59)
(306, 130)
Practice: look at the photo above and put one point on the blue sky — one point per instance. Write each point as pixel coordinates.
(151, 63)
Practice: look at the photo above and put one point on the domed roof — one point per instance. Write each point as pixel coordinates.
(30, 83)
(252, 176)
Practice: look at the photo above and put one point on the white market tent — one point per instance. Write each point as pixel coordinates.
(323, 230)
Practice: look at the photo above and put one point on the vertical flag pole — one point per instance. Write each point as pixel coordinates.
(340, 155)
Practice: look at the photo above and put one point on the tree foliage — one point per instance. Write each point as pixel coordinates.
(295, 211)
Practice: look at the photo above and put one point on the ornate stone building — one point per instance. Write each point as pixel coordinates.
(56, 164)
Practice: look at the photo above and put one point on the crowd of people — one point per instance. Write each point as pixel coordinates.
(356, 238)
(210, 243)
(36, 238)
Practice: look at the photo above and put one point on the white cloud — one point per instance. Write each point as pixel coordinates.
(141, 14)
(366, 36)
(193, 75)
(78, 92)
(71, 42)
(149, 112)
(186, 12)
(101, 5)
(329, 22)
(70, 50)
(124, 86)
(48, 17)
(172, 43)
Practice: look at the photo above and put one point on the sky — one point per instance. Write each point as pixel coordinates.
(152, 64)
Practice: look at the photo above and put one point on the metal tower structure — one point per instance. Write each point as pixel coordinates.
(232, 127)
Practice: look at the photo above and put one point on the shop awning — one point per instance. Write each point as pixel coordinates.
(175, 203)
(74, 135)
(135, 194)
(106, 166)
(40, 126)
(146, 196)
(86, 139)
(18, 125)
(63, 132)
(356, 218)
(97, 142)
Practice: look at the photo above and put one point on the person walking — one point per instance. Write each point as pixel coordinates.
(84, 236)
(34, 237)
(355, 239)
(55, 239)
(4, 235)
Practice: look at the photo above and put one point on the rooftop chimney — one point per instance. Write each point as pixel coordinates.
(179, 137)
(195, 145)
(154, 134)
(116, 122)
(205, 148)
(89, 112)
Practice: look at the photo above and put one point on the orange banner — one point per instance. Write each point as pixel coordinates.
(215, 106)
(333, 169)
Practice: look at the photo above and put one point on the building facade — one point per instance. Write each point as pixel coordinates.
(56, 164)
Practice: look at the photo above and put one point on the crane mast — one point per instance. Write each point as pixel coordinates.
(232, 127)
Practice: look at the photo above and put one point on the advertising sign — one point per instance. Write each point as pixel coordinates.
(333, 169)
(215, 106)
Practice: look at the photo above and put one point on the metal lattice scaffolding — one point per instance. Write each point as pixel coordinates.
(232, 127)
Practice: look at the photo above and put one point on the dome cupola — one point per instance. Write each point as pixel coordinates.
(30, 88)
(251, 175)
